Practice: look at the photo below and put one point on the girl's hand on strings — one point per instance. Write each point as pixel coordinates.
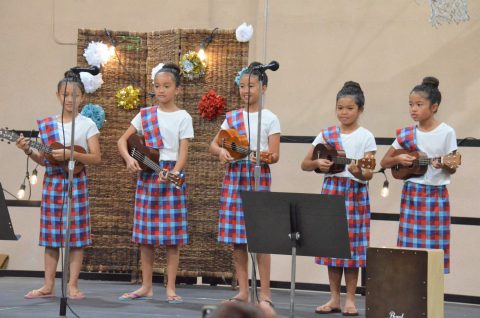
(224, 156)
(132, 165)
(62, 154)
(324, 165)
(405, 160)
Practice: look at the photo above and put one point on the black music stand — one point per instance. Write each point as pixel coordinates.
(6, 227)
(296, 224)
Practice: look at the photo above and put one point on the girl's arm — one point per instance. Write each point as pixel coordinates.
(182, 156)
(222, 154)
(274, 147)
(132, 164)
(359, 173)
(35, 155)
(309, 165)
(389, 160)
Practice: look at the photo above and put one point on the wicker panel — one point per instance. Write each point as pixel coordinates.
(112, 188)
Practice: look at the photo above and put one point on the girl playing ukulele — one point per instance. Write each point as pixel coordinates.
(160, 207)
(239, 176)
(57, 129)
(352, 182)
(425, 207)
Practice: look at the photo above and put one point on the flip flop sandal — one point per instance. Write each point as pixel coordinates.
(36, 293)
(325, 309)
(133, 297)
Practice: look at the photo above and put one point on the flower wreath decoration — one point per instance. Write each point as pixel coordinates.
(98, 53)
(244, 32)
(94, 112)
(191, 66)
(128, 97)
(240, 74)
(91, 82)
(211, 105)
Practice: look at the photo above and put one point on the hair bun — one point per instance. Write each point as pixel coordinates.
(352, 84)
(430, 81)
(72, 76)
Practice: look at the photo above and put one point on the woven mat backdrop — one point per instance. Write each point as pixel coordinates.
(112, 188)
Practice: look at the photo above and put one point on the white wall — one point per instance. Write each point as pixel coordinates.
(387, 46)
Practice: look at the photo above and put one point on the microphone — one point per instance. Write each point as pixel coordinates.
(273, 66)
(94, 70)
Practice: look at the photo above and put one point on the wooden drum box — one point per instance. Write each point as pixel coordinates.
(404, 283)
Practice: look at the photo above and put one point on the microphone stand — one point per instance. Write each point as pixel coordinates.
(71, 167)
(257, 173)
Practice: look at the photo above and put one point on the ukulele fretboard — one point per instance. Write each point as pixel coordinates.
(40, 147)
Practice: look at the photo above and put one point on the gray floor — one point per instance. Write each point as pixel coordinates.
(102, 301)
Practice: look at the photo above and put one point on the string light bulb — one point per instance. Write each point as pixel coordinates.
(21, 191)
(201, 55)
(33, 177)
(203, 46)
(385, 191)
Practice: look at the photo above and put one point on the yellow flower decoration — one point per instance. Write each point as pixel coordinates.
(191, 66)
(128, 97)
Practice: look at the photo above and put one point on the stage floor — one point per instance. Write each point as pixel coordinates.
(102, 301)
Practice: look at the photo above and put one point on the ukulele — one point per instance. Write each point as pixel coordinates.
(237, 145)
(323, 151)
(420, 165)
(148, 159)
(12, 136)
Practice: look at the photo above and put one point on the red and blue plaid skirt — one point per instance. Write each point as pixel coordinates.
(425, 218)
(357, 205)
(238, 177)
(160, 210)
(53, 216)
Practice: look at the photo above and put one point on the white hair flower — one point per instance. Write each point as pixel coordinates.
(156, 69)
(244, 32)
(91, 82)
(97, 53)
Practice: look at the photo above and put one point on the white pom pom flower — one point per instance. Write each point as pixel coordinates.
(97, 53)
(156, 69)
(244, 32)
(91, 82)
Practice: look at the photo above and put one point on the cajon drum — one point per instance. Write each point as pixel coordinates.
(404, 282)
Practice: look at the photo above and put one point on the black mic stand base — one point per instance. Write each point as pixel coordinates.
(63, 306)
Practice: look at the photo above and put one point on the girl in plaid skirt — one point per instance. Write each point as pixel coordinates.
(425, 206)
(160, 207)
(239, 176)
(55, 183)
(357, 142)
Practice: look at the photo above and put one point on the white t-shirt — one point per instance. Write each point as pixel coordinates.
(355, 145)
(85, 128)
(270, 126)
(174, 126)
(438, 142)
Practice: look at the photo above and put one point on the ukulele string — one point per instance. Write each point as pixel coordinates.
(149, 162)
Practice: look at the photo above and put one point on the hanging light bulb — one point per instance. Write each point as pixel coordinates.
(201, 55)
(384, 192)
(21, 191)
(33, 177)
(201, 52)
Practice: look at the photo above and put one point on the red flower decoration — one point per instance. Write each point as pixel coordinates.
(211, 105)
